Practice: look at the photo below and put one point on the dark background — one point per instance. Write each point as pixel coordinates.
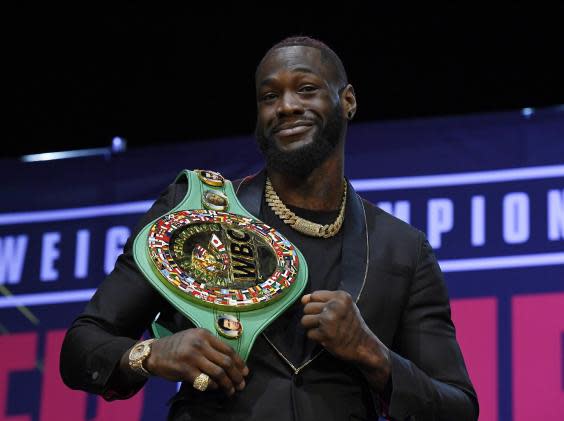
(78, 77)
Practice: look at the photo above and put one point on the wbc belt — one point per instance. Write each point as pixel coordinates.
(218, 265)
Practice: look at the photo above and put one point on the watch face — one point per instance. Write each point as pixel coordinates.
(137, 352)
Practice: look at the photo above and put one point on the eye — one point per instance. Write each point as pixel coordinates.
(268, 97)
(308, 89)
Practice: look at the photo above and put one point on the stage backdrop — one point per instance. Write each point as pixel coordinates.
(487, 189)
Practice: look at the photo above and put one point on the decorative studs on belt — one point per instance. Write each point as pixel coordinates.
(215, 200)
(228, 326)
(211, 178)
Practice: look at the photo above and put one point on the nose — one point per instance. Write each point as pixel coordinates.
(289, 104)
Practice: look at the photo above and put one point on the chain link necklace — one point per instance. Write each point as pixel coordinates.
(300, 224)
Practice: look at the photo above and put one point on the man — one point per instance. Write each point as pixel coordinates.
(373, 333)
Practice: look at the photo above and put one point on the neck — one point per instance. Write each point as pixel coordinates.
(322, 190)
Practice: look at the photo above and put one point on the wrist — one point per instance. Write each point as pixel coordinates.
(149, 363)
(374, 360)
(368, 349)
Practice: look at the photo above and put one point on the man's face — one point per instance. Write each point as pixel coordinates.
(231, 324)
(299, 120)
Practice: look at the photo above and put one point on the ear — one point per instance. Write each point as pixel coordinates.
(348, 102)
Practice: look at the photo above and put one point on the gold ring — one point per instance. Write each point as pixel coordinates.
(201, 382)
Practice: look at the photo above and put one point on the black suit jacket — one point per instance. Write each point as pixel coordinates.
(387, 265)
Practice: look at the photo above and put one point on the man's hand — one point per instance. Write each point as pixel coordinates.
(333, 320)
(184, 355)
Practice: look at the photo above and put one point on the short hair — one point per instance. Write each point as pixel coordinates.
(327, 55)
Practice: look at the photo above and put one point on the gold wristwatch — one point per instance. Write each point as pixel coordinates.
(138, 354)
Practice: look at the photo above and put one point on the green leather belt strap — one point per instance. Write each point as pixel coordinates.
(218, 265)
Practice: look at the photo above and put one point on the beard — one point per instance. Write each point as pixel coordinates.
(302, 161)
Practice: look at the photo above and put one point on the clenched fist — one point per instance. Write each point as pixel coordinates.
(333, 320)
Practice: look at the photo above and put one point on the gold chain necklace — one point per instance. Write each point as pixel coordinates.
(300, 224)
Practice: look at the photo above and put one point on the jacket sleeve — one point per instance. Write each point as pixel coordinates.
(429, 377)
(120, 311)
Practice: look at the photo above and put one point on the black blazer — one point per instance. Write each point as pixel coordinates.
(386, 264)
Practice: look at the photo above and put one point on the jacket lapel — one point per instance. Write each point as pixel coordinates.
(354, 259)
(250, 191)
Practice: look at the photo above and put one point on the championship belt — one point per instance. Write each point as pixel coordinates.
(218, 265)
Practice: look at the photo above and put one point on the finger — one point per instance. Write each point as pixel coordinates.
(213, 385)
(217, 374)
(314, 308)
(322, 296)
(317, 336)
(226, 362)
(310, 321)
(223, 348)
(306, 298)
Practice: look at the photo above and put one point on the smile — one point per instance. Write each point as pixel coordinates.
(291, 130)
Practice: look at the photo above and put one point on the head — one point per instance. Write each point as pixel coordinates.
(303, 103)
(229, 324)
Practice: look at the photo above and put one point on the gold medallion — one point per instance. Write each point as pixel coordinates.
(228, 326)
(211, 178)
(215, 200)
